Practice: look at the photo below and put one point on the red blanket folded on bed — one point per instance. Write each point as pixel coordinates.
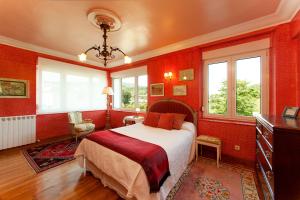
(151, 157)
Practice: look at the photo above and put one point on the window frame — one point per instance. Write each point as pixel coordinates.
(136, 88)
(231, 81)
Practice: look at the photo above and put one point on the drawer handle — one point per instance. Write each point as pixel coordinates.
(257, 151)
(257, 166)
(268, 154)
(266, 134)
(269, 175)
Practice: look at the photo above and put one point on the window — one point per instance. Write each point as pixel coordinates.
(236, 87)
(142, 91)
(130, 92)
(63, 87)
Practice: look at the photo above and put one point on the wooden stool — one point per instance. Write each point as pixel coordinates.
(209, 141)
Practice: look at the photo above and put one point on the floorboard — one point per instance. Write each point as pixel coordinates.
(19, 181)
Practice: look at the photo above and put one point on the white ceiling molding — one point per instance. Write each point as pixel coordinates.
(39, 49)
(285, 12)
(237, 49)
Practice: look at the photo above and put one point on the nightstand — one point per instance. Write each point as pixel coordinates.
(129, 120)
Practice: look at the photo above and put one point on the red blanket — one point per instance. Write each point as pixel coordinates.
(151, 157)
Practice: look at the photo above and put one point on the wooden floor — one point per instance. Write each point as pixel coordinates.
(19, 181)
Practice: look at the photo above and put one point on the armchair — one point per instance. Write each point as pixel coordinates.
(80, 126)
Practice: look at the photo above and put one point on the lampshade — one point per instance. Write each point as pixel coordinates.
(82, 57)
(127, 59)
(108, 91)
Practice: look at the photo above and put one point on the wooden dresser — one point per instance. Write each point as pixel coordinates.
(278, 157)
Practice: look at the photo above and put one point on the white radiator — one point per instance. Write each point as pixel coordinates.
(17, 130)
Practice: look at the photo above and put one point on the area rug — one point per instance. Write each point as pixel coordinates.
(46, 156)
(202, 180)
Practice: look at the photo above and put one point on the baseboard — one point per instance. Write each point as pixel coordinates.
(211, 153)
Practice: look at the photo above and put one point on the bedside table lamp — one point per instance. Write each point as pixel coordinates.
(137, 110)
(109, 92)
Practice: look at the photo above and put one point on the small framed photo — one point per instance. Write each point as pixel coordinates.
(290, 112)
(179, 90)
(157, 89)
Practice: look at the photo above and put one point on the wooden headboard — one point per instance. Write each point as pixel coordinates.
(174, 106)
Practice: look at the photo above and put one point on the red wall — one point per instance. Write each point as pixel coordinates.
(284, 83)
(283, 69)
(54, 125)
(18, 63)
(174, 62)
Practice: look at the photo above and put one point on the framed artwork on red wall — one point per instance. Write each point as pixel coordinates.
(157, 89)
(179, 90)
(13, 88)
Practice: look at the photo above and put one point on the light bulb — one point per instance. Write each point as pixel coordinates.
(82, 57)
(127, 59)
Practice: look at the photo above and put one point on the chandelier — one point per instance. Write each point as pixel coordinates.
(107, 22)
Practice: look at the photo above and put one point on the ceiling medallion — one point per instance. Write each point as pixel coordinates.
(107, 21)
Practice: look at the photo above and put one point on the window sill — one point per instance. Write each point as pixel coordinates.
(126, 110)
(229, 121)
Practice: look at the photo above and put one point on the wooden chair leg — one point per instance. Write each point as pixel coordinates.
(218, 155)
(196, 152)
(220, 152)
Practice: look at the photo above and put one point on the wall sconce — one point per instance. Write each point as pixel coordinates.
(168, 75)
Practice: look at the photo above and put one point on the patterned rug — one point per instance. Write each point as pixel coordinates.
(202, 180)
(46, 156)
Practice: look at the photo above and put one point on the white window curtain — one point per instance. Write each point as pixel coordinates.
(63, 87)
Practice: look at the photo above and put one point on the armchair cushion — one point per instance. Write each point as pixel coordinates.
(87, 121)
(84, 127)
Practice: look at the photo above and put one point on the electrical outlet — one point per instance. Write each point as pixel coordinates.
(237, 147)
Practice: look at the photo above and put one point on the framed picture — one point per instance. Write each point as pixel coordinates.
(13, 88)
(179, 90)
(290, 112)
(186, 75)
(157, 89)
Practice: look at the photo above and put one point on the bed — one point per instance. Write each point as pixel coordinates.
(126, 176)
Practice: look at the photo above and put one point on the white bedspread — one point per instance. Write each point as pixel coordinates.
(178, 144)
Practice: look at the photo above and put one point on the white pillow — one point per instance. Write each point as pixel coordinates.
(189, 126)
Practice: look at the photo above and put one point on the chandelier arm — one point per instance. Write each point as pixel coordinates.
(92, 48)
(117, 49)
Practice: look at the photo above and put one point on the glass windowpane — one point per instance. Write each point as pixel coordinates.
(128, 92)
(142, 92)
(248, 86)
(217, 88)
